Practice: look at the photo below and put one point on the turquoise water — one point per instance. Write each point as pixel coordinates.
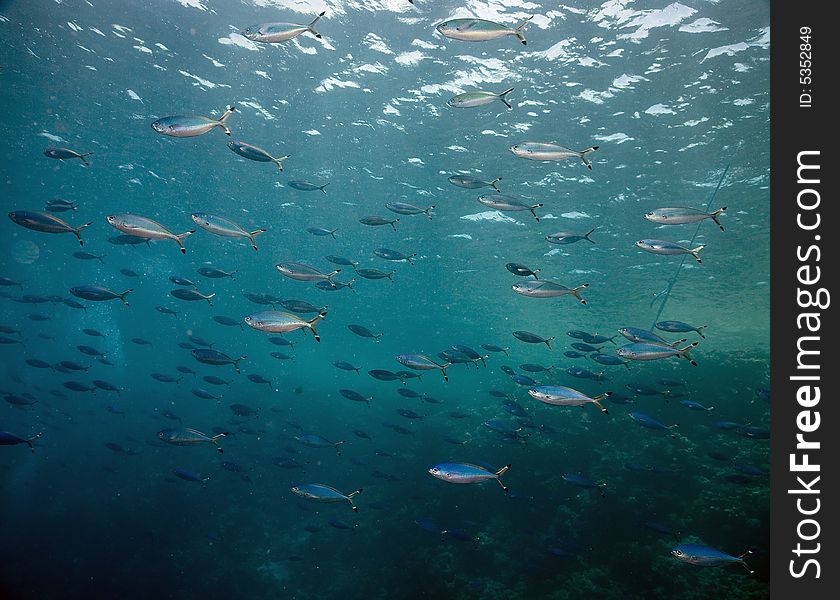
(676, 98)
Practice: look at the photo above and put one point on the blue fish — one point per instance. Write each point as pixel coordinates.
(649, 422)
(467, 473)
(695, 405)
(187, 475)
(706, 556)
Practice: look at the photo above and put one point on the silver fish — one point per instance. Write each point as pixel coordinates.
(680, 216)
(479, 98)
(402, 208)
(508, 203)
(272, 321)
(183, 126)
(540, 288)
(143, 227)
(668, 248)
(480, 30)
(65, 154)
(302, 272)
(225, 227)
(256, 153)
(545, 151)
(271, 33)
(45, 223)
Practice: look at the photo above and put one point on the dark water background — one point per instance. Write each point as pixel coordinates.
(80, 520)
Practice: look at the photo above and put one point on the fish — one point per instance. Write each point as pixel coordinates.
(227, 321)
(705, 556)
(271, 321)
(213, 380)
(256, 153)
(521, 270)
(582, 481)
(302, 307)
(166, 311)
(322, 232)
(695, 405)
(313, 440)
(508, 203)
(259, 379)
(185, 436)
(540, 288)
(272, 33)
(345, 366)
(92, 332)
(532, 338)
(564, 238)
(303, 272)
(403, 208)
(383, 375)
(470, 353)
(214, 357)
(375, 274)
(421, 362)
(59, 205)
(97, 293)
(609, 360)
(355, 396)
(145, 228)
(128, 240)
(479, 98)
(242, 410)
(394, 255)
(188, 475)
(205, 395)
(376, 221)
(184, 126)
(65, 154)
(563, 396)
(214, 273)
(362, 331)
(636, 334)
(649, 351)
(89, 256)
(680, 216)
(225, 227)
(467, 473)
(649, 422)
(546, 151)
(305, 186)
(46, 223)
(495, 348)
(319, 492)
(10, 439)
(105, 386)
(534, 368)
(480, 30)
(668, 248)
(680, 327)
(191, 295)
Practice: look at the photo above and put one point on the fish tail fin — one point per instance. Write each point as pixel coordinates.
(442, 370)
(83, 158)
(332, 233)
(180, 239)
(428, 211)
(331, 275)
(323, 186)
(576, 292)
(394, 224)
(391, 276)
(695, 252)
(743, 562)
(356, 493)
(715, 216)
(237, 361)
(585, 158)
(229, 111)
(533, 208)
(499, 474)
(683, 352)
(279, 160)
(600, 406)
(313, 322)
(253, 234)
(311, 26)
(337, 444)
(699, 331)
(124, 294)
(503, 98)
(495, 182)
(210, 302)
(548, 341)
(34, 437)
(518, 30)
(588, 233)
(678, 342)
(77, 231)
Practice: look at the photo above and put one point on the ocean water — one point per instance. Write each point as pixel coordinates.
(676, 97)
